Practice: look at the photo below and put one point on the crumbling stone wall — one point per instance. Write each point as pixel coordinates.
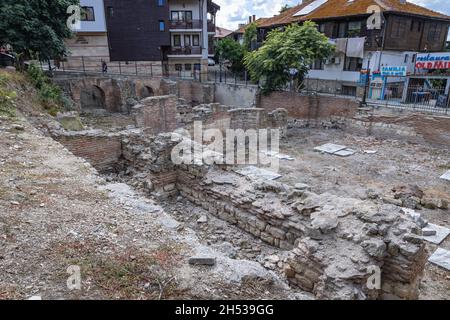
(336, 243)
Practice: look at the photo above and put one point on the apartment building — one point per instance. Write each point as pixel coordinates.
(176, 35)
(405, 29)
(90, 39)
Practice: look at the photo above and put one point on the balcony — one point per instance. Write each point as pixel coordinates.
(185, 24)
(211, 26)
(185, 51)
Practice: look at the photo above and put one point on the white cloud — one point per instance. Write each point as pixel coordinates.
(233, 12)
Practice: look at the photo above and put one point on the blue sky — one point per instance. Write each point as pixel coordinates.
(234, 12)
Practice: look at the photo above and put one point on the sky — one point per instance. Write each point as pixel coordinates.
(233, 12)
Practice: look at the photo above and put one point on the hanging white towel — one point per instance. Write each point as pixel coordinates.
(341, 45)
(355, 47)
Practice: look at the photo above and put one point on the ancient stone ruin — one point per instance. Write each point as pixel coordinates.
(337, 245)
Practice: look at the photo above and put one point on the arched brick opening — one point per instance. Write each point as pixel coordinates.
(92, 97)
(145, 92)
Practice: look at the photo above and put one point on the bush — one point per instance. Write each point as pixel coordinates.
(7, 97)
(50, 95)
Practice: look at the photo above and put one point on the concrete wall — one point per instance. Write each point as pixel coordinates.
(237, 96)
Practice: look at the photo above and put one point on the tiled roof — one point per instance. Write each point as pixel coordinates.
(343, 8)
(259, 22)
(222, 32)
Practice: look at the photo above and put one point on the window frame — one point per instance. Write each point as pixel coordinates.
(162, 26)
(176, 36)
(84, 11)
(195, 36)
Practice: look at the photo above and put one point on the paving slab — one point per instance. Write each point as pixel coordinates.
(345, 153)
(280, 156)
(255, 172)
(441, 233)
(330, 148)
(441, 258)
(446, 176)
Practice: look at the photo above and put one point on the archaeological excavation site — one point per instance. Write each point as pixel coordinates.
(349, 203)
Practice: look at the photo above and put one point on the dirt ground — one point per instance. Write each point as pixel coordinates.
(395, 163)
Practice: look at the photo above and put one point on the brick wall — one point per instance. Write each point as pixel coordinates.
(308, 107)
(103, 151)
(159, 114)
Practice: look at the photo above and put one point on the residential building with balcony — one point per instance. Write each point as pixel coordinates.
(405, 30)
(192, 27)
(167, 35)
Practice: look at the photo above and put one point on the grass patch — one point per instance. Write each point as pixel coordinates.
(128, 274)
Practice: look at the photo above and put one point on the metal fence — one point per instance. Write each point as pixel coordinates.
(424, 97)
(137, 68)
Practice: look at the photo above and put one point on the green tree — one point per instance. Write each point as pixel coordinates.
(295, 48)
(35, 27)
(284, 8)
(250, 37)
(228, 49)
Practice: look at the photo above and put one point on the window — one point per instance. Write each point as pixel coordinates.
(322, 27)
(354, 28)
(162, 25)
(342, 30)
(177, 40)
(317, 64)
(349, 91)
(181, 15)
(399, 28)
(188, 67)
(178, 67)
(434, 32)
(195, 40)
(161, 3)
(87, 14)
(353, 64)
(197, 67)
(187, 40)
(110, 12)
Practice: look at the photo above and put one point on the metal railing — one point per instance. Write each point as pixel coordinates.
(89, 65)
(425, 97)
(185, 24)
(185, 50)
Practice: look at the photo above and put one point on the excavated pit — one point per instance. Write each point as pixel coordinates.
(324, 225)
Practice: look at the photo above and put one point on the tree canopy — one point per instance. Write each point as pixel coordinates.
(285, 8)
(228, 49)
(250, 37)
(35, 27)
(283, 52)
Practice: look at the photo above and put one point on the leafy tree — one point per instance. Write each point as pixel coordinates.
(293, 49)
(250, 37)
(228, 49)
(35, 27)
(284, 8)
